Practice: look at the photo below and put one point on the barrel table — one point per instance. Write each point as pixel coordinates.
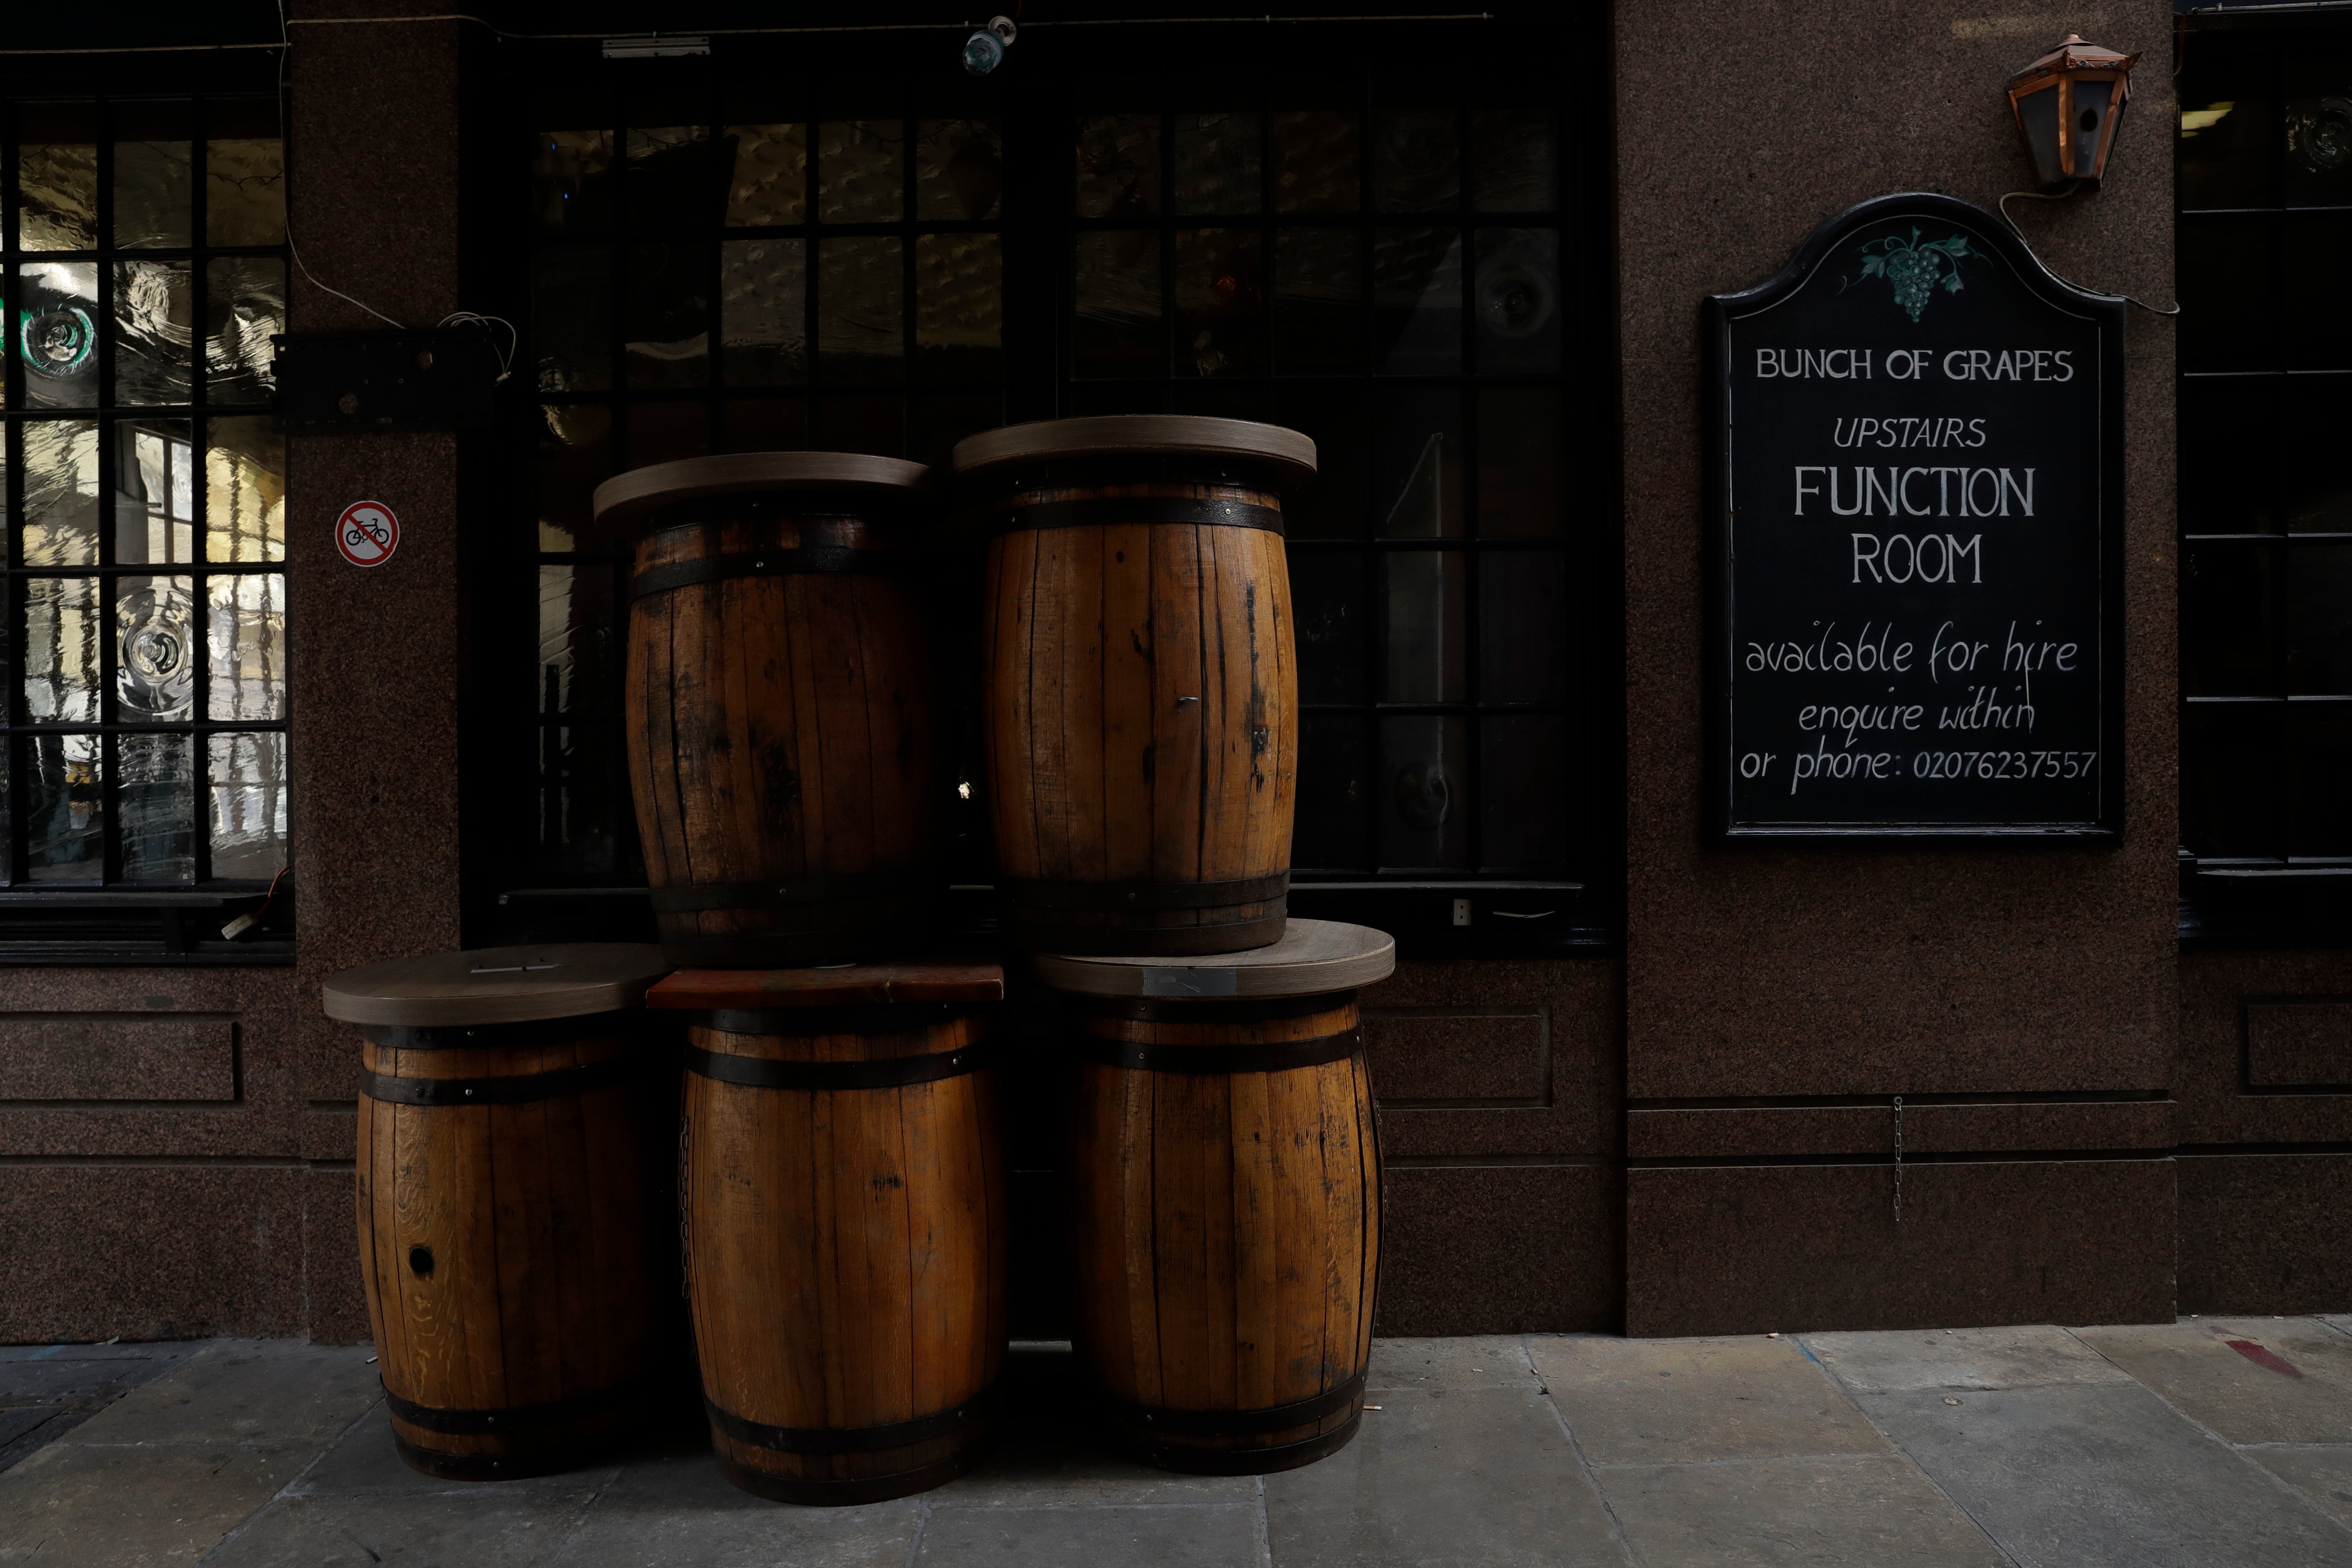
(843, 1219)
(781, 705)
(507, 1244)
(1140, 688)
(1224, 1196)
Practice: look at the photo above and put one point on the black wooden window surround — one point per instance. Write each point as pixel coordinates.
(2266, 399)
(143, 738)
(1409, 269)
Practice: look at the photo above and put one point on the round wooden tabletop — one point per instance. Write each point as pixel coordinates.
(1291, 455)
(1313, 957)
(626, 498)
(497, 985)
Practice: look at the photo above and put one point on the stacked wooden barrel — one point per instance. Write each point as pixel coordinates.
(509, 1160)
(842, 1218)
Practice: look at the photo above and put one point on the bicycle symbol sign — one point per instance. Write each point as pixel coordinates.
(367, 533)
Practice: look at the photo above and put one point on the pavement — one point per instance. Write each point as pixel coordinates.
(2213, 1441)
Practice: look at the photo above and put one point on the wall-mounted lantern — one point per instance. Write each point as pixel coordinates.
(2068, 104)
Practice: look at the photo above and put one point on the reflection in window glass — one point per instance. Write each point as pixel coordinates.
(245, 491)
(154, 649)
(1221, 302)
(1513, 165)
(1519, 299)
(245, 191)
(1118, 166)
(1422, 625)
(1335, 793)
(1423, 767)
(246, 625)
(59, 457)
(150, 194)
(665, 314)
(155, 800)
(1217, 164)
(154, 331)
(571, 319)
(1417, 302)
(1416, 163)
(155, 495)
(1118, 327)
(572, 180)
(1417, 466)
(959, 174)
(860, 333)
(672, 183)
(762, 312)
(56, 177)
(770, 183)
(245, 307)
(57, 644)
(858, 171)
(246, 774)
(958, 306)
(1316, 160)
(63, 779)
(574, 456)
(1318, 299)
(1520, 432)
(56, 332)
(1523, 793)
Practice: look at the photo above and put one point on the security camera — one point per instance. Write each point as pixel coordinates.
(984, 50)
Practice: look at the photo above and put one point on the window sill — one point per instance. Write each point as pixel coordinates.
(134, 927)
(2230, 908)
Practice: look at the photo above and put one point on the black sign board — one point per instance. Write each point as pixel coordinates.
(1916, 522)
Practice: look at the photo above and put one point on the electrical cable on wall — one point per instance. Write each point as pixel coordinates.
(2060, 197)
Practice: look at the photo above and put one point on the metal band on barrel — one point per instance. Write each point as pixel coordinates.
(782, 562)
(839, 1018)
(1116, 897)
(1101, 512)
(850, 1439)
(1277, 1056)
(520, 1088)
(1160, 1421)
(501, 1036)
(884, 1072)
(521, 1418)
(693, 897)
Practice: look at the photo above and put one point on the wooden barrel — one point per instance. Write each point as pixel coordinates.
(1224, 1187)
(508, 1246)
(845, 1223)
(1139, 683)
(782, 710)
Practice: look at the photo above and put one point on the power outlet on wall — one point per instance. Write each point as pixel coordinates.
(1462, 912)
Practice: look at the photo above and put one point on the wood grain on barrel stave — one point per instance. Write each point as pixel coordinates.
(1224, 1225)
(535, 1219)
(847, 1248)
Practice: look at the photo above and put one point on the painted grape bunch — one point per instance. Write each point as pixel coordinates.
(1915, 269)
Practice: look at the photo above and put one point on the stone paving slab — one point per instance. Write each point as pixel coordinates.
(1445, 1477)
(78, 1505)
(2322, 1473)
(2027, 1448)
(1664, 1401)
(1895, 1360)
(1856, 1511)
(2251, 1380)
(245, 1391)
(2105, 1476)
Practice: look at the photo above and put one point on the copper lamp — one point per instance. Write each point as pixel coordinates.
(2068, 104)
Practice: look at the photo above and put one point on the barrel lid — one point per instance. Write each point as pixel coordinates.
(1313, 957)
(830, 985)
(497, 985)
(628, 498)
(1291, 455)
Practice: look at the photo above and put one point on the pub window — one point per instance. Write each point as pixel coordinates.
(2265, 393)
(1409, 270)
(142, 267)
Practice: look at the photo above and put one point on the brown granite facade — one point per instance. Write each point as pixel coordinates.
(1696, 1137)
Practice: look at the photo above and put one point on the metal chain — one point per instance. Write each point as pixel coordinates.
(1898, 1159)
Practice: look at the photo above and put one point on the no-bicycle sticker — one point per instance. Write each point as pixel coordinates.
(367, 533)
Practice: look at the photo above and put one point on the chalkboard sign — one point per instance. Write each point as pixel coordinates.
(1914, 511)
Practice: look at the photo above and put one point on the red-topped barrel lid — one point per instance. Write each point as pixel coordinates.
(830, 985)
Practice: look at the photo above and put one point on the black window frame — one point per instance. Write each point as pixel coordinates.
(110, 921)
(2247, 879)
